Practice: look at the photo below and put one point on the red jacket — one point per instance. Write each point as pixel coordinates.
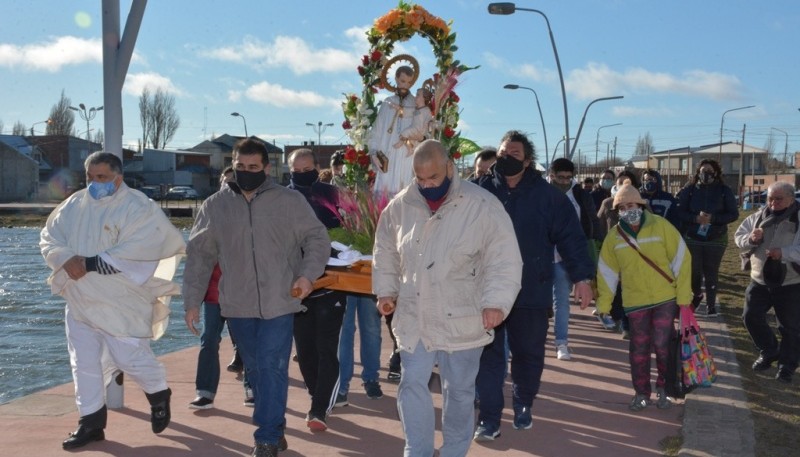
(212, 293)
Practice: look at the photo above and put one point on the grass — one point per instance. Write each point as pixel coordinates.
(775, 406)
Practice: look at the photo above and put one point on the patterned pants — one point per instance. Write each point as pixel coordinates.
(650, 328)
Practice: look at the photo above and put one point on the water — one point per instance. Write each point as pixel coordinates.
(33, 346)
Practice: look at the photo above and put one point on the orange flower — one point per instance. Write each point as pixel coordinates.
(414, 19)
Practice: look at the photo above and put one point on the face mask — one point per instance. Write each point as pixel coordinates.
(614, 190)
(631, 216)
(249, 180)
(706, 177)
(606, 183)
(650, 187)
(100, 190)
(563, 187)
(435, 193)
(509, 166)
(304, 179)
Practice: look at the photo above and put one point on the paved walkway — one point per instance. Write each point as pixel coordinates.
(581, 411)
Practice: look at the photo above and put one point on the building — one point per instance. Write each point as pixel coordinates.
(220, 150)
(19, 174)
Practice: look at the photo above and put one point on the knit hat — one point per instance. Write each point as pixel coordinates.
(628, 194)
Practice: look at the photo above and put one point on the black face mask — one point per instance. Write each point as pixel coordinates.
(706, 177)
(509, 166)
(249, 180)
(305, 178)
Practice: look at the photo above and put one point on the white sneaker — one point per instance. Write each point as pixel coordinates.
(562, 352)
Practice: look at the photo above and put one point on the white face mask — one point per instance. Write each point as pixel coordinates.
(614, 190)
(631, 216)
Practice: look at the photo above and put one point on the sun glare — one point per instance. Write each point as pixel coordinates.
(83, 20)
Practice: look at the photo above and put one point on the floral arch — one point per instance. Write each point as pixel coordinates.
(400, 24)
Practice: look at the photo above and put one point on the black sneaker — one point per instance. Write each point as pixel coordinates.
(265, 450)
(373, 389)
(201, 403)
(763, 363)
(712, 312)
(341, 400)
(393, 376)
(784, 375)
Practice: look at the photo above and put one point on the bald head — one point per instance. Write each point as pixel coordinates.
(431, 164)
(430, 151)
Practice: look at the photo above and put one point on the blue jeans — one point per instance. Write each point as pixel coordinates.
(207, 379)
(265, 346)
(369, 329)
(457, 370)
(561, 288)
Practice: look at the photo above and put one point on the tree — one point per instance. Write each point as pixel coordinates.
(644, 145)
(62, 119)
(159, 119)
(1, 127)
(99, 137)
(18, 129)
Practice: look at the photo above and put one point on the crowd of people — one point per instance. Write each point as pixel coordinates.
(467, 273)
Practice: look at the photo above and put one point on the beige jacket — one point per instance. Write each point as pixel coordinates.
(445, 268)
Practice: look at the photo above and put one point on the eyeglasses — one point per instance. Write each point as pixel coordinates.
(563, 177)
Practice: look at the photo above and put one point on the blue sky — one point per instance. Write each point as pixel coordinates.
(678, 64)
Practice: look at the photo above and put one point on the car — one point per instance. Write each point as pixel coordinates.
(153, 192)
(182, 193)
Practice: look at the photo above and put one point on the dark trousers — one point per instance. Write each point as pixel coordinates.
(706, 259)
(316, 338)
(617, 311)
(758, 300)
(394, 360)
(527, 334)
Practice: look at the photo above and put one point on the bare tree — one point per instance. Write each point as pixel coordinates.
(1, 127)
(18, 129)
(99, 137)
(644, 145)
(62, 119)
(159, 119)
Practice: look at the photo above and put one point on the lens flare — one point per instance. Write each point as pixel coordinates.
(83, 20)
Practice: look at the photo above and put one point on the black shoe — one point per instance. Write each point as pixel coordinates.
(235, 366)
(265, 450)
(763, 363)
(83, 436)
(159, 410)
(784, 375)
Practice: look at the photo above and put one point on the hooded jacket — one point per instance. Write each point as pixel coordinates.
(543, 219)
(445, 268)
(661, 203)
(262, 247)
(716, 199)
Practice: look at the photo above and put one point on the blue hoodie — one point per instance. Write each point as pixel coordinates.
(661, 203)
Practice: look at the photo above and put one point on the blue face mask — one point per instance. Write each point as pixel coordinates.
(100, 190)
(433, 194)
(650, 187)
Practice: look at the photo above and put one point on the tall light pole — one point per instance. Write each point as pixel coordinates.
(319, 128)
(597, 140)
(785, 145)
(510, 8)
(86, 115)
(235, 114)
(555, 149)
(544, 131)
(721, 123)
(580, 127)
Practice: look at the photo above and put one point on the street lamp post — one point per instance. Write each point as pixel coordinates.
(580, 127)
(319, 128)
(785, 145)
(86, 115)
(597, 140)
(544, 131)
(48, 122)
(510, 8)
(235, 114)
(721, 122)
(557, 145)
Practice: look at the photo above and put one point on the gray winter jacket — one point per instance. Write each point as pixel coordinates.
(262, 247)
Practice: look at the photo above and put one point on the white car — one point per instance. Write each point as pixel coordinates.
(182, 193)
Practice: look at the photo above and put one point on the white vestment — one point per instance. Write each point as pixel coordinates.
(393, 118)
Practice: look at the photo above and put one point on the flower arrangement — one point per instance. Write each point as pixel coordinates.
(360, 112)
(358, 214)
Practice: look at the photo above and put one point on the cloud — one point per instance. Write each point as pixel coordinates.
(277, 95)
(289, 52)
(631, 111)
(135, 84)
(53, 55)
(598, 80)
(526, 71)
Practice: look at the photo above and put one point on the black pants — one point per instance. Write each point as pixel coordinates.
(316, 337)
(758, 300)
(394, 361)
(706, 259)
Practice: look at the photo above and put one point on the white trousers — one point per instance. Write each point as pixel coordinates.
(89, 346)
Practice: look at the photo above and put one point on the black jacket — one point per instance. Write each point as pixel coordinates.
(716, 199)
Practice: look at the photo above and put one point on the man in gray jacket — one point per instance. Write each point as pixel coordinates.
(270, 247)
(447, 263)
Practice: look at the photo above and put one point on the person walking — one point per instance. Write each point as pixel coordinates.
(113, 253)
(270, 247)
(771, 240)
(647, 255)
(447, 264)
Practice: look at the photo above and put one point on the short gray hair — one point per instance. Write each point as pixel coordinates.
(784, 187)
(114, 163)
(429, 151)
(302, 152)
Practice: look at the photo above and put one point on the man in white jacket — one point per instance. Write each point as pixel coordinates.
(447, 263)
(113, 253)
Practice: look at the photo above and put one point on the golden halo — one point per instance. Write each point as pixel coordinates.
(412, 62)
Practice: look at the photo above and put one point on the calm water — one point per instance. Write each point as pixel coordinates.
(33, 347)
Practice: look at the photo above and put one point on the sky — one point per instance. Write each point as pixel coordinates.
(282, 64)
